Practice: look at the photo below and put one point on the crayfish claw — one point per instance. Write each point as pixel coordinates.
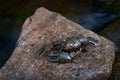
(53, 55)
(92, 41)
(63, 57)
(44, 49)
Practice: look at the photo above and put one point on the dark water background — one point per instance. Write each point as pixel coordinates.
(100, 16)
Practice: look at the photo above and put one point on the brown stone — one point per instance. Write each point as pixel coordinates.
(46, 27)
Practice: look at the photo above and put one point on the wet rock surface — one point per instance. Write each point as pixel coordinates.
(45, 27)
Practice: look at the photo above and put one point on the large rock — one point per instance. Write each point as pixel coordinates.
(46, 27)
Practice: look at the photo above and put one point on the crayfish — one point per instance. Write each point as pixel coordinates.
(66, 49)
